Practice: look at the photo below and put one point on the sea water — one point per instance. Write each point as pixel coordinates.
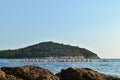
(108, 67)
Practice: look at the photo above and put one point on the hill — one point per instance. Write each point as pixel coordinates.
(48, 49)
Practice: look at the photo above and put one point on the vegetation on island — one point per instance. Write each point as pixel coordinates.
(48, 49)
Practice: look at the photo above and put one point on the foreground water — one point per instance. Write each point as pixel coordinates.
(109, 66)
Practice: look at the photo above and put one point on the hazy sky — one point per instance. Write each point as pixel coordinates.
(91, 24)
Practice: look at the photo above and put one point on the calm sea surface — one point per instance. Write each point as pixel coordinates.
(109, 66)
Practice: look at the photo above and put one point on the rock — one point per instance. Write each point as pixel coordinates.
(39, 73)
(112, 78)
(30, 73)
(2, 74)
(11, 77)
(74, 73)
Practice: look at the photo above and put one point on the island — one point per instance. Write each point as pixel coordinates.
(48, 49)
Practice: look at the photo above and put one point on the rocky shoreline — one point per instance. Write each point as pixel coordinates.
(30, 72)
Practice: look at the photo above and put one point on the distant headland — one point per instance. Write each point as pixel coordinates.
(48, 49)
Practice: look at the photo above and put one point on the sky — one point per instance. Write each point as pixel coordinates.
(90, 24)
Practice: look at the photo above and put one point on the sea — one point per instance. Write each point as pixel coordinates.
(106, 66)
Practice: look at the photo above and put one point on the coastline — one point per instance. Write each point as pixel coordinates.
(59, 60)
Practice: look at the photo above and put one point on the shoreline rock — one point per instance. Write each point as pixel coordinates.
(30, 72)
(74, 73)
